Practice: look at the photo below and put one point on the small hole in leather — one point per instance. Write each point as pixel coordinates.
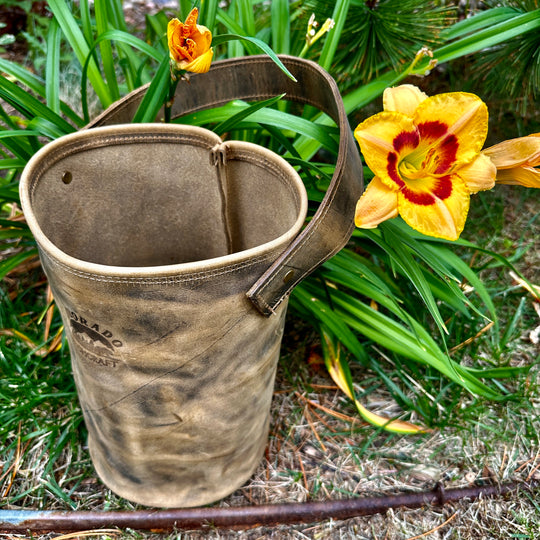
(67, 177)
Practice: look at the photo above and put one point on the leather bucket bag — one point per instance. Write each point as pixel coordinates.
(171, 255)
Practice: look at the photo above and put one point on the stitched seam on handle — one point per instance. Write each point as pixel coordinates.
(338, 175)
(311, 231)
(343, 239)
(250, 61)
(270, 308)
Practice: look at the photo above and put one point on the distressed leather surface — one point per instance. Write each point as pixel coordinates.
(149, 250)
(258, 77)
(151, 235)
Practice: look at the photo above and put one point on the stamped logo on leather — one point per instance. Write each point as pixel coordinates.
(96, 344)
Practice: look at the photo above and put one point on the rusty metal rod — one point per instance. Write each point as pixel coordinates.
(22, 521)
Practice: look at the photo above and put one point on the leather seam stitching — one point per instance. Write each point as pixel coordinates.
(194, 276)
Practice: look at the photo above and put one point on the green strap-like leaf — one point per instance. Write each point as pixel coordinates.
(10, 263)
(416, 344)
(46, 128)
(18, 133)
(334, 35)
(109, 67)
(481, 20)
(445, 263)
(22, 143)
(230, 20)
(488, 37)
(154, 98)
(260, 44)
(12, 163)
(392, 245)
(52, 68)
(116, 12)
(278, 119)
(227, 125)
(156, 30)
(329, 318)
(80, 47)
(120, 36)
(185, 8)
(37, 85)
(86, 20)
(247, 18)
(281, 26)
(30, 106)
(495, 34)
(208, 12)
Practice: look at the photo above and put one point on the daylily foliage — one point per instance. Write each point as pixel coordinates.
(425, 153)
(189, 44)
(340, 374)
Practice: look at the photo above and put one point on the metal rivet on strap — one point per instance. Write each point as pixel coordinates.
(67, 177)
(288, 276)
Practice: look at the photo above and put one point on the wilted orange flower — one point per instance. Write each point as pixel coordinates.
(425, 153)
(189, 44)
(517, 161)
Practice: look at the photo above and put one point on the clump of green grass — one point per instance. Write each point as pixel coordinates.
(40, 422)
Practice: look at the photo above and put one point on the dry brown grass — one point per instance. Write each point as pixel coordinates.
(319, 450)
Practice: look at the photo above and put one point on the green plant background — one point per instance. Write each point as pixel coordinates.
(392, 306)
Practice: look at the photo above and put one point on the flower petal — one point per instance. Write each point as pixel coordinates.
(173, 30)
(202, 37)
(456, 118)
(377, 204)
(520, 176)
(201, 64)
(404, 99)
(382, 138)
(479, 174)
(191, 19)
(516, 152)
(440, 212)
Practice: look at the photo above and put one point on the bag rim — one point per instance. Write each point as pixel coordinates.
(61, 147)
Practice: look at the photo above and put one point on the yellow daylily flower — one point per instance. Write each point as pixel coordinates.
(189, 44)
(425, 154)
(517, 161)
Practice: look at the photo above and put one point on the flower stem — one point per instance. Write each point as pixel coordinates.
(173, 83)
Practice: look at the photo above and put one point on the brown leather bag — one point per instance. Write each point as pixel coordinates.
(171, 255)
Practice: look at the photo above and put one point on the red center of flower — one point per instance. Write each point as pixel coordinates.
(419, 161)
(442, 189)
(432, 130)
(406, 139)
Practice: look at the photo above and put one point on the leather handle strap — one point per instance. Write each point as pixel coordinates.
(256, 78)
